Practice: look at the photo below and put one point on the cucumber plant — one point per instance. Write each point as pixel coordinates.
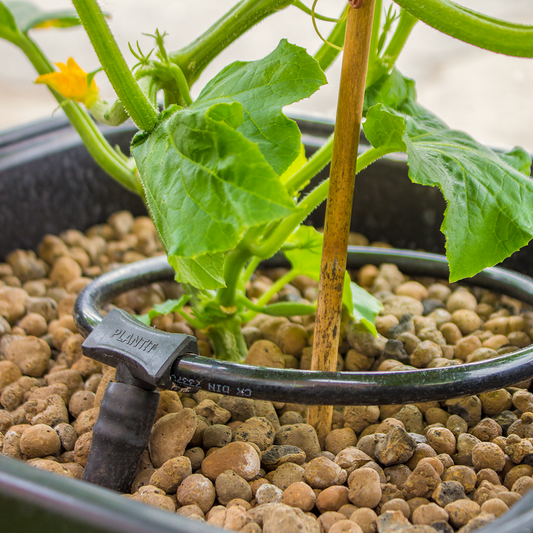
(222, 175)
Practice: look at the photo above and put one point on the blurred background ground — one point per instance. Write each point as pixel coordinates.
(488, 95)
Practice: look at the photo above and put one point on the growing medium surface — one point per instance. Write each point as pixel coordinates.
(255, 466)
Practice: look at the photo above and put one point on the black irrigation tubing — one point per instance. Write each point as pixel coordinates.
(330, 388)
(341, 387)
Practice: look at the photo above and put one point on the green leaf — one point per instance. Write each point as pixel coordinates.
(519, 159)
(263, 88)
(168, 306)
(303, 249)
(490, 201)
(28, 16)
(8, 26)
(304, 253)
(392, 90)
(305, 256)
(17, 18)
(296, 165)
(145, 319)
(206, 271)
(365, 308)
(482, 188)
(384, 127)
(210, 172)
(205, 184)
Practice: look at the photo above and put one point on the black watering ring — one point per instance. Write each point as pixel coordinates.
(328, 388)
(129, 406)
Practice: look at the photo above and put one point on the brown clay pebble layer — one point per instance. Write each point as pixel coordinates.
(256, 466)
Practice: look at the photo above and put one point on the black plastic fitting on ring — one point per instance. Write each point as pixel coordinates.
(330, 388)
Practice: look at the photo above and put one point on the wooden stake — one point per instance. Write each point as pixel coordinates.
(339, 203)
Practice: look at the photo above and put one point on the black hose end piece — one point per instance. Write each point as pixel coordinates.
(120, 436)
(147, 353)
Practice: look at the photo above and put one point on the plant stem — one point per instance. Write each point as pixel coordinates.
(137, 105)
(109, 114)
(92, 137)
(399, 38)
(278, 308)
(327, 54)
(473, 27)
(250, 269)
(193, 58)
(384, 64)
(277, 238)
(374, 39)
(320, 193)
(276, 287)
(228, 340)
(305, 9)
(233, 267)
(179, 77)
(192, 321)
(315, 164)
(339, 205)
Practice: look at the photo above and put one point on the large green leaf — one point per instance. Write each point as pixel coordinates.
(206, 271)
(518, 158)
(304, 252)
(490, 202)
(212, 171)
(28, 16)
(205, 183)
(489, 195)
(263, 88)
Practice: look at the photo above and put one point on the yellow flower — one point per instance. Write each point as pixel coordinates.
(72, 83)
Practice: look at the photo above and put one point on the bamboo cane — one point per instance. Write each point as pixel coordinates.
(339, 203)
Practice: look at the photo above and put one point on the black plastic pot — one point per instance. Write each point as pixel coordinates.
(48, 183)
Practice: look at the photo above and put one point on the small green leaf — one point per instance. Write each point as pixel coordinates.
(168, 306)
(206, 271)
(207, 312)
(30, 16)
(305, 257)
(384, 127)
(365, 308)
(145, 319)
(8, 26)
(304, 250)
(263, 88)
(304, 253)
(206, 184)
(392, 90)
